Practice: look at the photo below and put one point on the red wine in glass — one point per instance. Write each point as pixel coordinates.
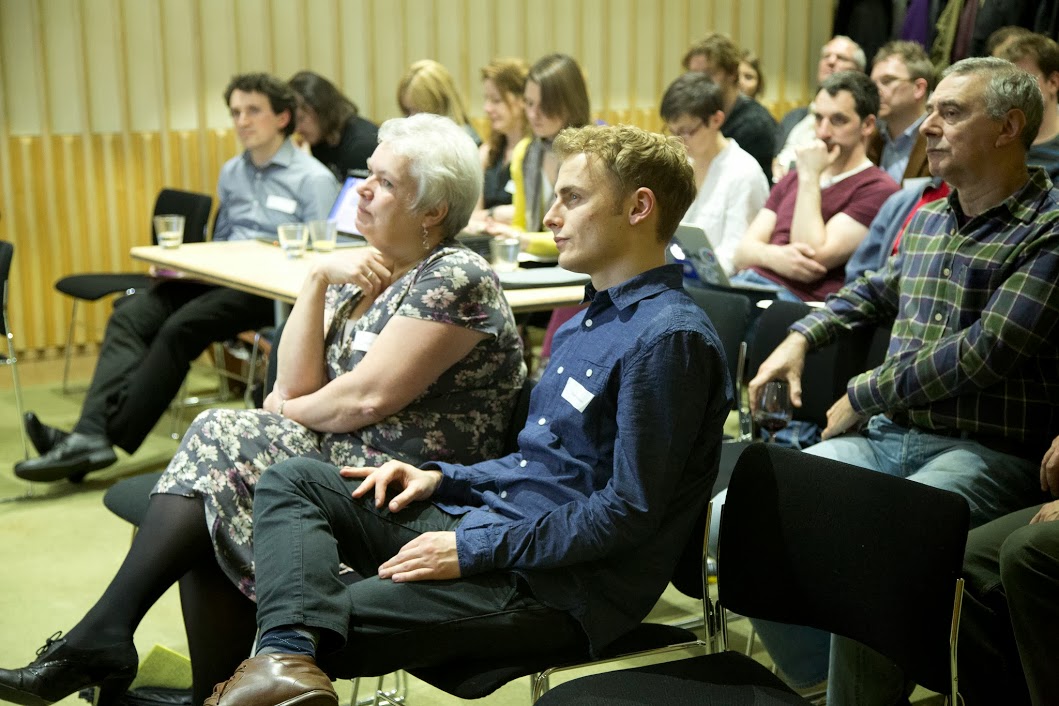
(774, 408)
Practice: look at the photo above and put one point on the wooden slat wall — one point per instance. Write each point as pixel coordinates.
(104, 102)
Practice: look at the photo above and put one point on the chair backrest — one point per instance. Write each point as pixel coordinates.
(810, 541)
(827, 370)
(7, 254)
(194, 207)
(730, 314)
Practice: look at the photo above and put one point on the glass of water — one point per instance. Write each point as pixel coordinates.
(505, 253)
(323, 234)
(293, 238)
(169, 230)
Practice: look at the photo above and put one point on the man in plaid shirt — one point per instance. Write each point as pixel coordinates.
(966, 398)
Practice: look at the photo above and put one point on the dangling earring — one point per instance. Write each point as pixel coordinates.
(426, 238)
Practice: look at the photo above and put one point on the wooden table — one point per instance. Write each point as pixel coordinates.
(260, 268)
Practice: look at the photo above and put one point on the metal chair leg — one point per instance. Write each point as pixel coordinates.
(69, 348)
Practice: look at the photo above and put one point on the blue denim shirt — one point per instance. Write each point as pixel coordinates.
(615, 463)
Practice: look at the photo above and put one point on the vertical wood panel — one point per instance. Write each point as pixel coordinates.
(103, 102)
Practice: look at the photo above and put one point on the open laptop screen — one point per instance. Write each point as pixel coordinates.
(344, 210)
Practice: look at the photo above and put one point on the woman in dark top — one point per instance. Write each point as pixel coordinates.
(329, 123)
(503, 81)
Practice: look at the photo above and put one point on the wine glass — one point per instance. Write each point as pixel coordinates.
(773, 407)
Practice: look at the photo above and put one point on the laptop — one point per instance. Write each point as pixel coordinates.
(691, 248)
(344, 214)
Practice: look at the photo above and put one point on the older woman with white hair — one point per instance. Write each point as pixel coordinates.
(404, 350)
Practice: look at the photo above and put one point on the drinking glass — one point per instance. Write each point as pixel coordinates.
(323, 234)
(169, 230)
(505, 253)
(292, 238)
(773, 407)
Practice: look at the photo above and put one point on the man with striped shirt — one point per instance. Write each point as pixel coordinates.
(966, 399)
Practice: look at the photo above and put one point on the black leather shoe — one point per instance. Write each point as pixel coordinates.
(61, 670)
(75, 455)
(43, 437)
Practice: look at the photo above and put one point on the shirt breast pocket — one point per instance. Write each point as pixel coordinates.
(584, 382)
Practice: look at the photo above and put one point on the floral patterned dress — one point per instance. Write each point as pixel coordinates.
(460, 418)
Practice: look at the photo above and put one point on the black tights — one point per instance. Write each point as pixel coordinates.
(174, 545)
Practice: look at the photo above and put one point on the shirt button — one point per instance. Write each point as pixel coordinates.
(542, 421)
(588, 373)
(946, 272)
(503, 494)
(588, 323)
(560, 370)
(938, 317)
(523, 463)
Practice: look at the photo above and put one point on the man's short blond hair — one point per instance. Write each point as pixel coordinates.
(637, 158)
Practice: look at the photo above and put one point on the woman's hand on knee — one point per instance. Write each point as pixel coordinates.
(413, 483)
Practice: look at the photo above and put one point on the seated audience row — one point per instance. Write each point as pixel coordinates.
(459, 561)
(406, 350)
(971, 360)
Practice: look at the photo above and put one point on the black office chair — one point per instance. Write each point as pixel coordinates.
(815, 542)
(8, 357)
(824, 378)
(730, 314)
(95, 285)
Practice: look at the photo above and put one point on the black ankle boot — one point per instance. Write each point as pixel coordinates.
(61, 670)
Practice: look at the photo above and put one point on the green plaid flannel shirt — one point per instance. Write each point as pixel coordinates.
(974, 310)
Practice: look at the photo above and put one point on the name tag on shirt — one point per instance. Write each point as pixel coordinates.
(576, 394)
(509, 187)
(363, 340)
(281, 203)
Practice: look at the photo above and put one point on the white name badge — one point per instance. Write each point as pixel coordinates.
(576, 394)
(509, 187)
(363, 340)
(281, 203)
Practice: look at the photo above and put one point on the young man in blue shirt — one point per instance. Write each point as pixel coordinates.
(560, 547)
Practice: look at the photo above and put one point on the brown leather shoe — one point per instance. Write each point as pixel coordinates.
(275, 680)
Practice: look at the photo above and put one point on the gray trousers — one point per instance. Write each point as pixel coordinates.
(306, 522)
(1009, 635)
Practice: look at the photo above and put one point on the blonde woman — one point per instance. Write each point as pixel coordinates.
(428, 87)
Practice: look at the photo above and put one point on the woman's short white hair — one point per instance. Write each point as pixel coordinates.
(443, 160)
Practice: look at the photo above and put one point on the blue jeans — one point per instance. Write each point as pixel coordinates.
(993, 483)
(752, 277)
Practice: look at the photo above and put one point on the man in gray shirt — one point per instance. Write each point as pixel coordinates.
(153, 336)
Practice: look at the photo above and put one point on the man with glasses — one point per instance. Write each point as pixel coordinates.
(818, 214)
(797, 127)
(731, 187)
(905, 77)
